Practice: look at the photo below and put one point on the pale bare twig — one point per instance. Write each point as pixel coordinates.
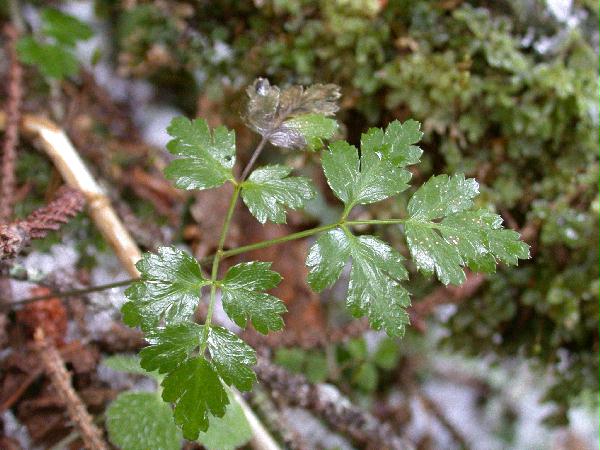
(67, 161)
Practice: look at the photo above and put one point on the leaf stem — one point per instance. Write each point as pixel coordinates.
(253, 158)
(216, 261)
(279, 240)
(375, 222)
(299, 235)
(213, 258)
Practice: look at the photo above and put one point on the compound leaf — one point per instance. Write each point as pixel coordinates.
(463, 238)
(244, 298)
(374, 289)
(232, 358)
(170, 346)
(206, 158)
(269, 190)
(141, 420)
(366, 179)
(168, 289)
(197, 391)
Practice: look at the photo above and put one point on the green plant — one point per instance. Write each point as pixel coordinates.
(52, 49)
(506, 92)
(444, 231)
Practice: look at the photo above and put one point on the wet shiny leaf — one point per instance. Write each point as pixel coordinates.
(171, 346)
(377, 269)
(206, 158)
(379, 172)
(269, 190)
(232, 358)
(463, 238)
(169, 289)
(197, 392)
(244, 298)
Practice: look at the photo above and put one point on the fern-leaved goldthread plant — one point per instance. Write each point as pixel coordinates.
(444, 231)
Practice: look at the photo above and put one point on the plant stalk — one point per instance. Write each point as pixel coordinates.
(214, 273)
(253, 158)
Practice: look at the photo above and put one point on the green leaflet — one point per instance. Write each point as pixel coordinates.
(174, 350)
(170, 346)
(169, 289)
(269, 190)
(463, 237)
(197, 391)
(244, 298)
(64, 28)
(380, 171)
(374, 288)
(442, 195)
(232, 358)
(398, 140)
(54, 55)
(326, 259)
(206, 158)
(141, 420)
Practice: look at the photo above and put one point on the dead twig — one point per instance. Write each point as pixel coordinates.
(435, 410)
(443, 296)
(61, 380)
(329, 404)
(11, 136)
(16, 235)
(11, 133)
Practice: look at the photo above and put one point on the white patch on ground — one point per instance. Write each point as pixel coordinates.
(519, 387)
(422, 425)
(312, 431)
(16, 430)
(122, 381)
(153, 121)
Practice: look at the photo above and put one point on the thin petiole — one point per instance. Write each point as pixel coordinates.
(215, 264)
(213, 258)
(253, 158)
(375, 222)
